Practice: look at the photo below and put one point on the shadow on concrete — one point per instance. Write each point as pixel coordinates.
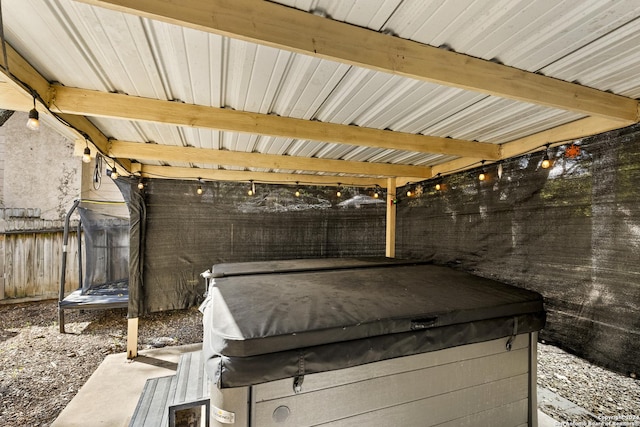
(159, 363)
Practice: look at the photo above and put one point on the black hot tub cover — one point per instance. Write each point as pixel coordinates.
(262, 319)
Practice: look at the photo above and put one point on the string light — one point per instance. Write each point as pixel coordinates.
(113, 172)
(86, 154)
(33, 122)
(438, 184)
(410, 193)
(376, 192)
(546, 162)
(483, 174)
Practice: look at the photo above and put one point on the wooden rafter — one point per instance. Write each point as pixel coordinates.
(138, 151)
(150, 171)
(94, 103)
(568, 132)
(278, 26)
(72, 105)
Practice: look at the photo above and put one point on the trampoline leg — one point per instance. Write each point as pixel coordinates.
(132, 338)
(61, 319)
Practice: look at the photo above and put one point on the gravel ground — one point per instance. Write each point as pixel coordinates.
(610, 399)
(41, 370)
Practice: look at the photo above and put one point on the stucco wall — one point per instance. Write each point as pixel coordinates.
(40, 171)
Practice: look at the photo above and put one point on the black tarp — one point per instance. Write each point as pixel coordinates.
(262, 326)
(570, 232)
(177, 234)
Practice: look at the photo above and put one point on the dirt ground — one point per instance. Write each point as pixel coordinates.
(41, 370)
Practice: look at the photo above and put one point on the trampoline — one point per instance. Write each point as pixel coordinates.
(104, 274)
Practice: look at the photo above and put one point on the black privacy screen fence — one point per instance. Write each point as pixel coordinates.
(570, 232)
(177, 233)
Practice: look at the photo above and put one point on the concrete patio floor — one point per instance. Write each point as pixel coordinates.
(110, 395)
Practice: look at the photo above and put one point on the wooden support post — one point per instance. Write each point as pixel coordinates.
(2, 272)
(533, 379)
(391, 218)
(61, 319)
(132, 338)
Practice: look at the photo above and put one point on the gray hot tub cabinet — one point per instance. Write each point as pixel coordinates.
(363, 342)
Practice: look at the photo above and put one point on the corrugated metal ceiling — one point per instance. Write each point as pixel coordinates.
(594, 42)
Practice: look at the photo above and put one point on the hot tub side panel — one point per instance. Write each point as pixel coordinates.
(474, 384)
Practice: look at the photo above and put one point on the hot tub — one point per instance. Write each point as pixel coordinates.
(372, 342)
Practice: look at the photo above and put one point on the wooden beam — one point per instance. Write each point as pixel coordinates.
(457, 165)
(141, 151)
(100, 141)
(94, 103)
(278, 26)
(22, 76)
(581, 128)
(23, 79)
(170, 172)
(390, 248)
(12, 98)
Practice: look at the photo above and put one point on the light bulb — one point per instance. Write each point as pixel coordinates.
(199, 189)
(297, 193)
(114, 173)
(140, 185)
(86, 155)
(339, 193)
(375, 195)
(33, 123)
(438, 187)
(409, 193)
(546, 163)
(482, 176)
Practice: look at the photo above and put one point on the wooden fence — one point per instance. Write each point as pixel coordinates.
(31, 262)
